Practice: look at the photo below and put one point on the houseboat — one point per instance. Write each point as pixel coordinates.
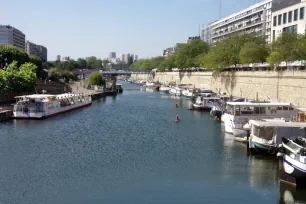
(238, 114)
(40, 106)
(266, 135)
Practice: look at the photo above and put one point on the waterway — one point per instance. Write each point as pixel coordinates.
(127, 149)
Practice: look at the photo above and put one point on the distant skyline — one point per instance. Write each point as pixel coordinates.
(96, 27)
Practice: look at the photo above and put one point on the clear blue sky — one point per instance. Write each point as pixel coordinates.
(79, 28)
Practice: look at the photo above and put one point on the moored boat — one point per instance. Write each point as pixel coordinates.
(188, 93)
(205, 103)
(40, 106)
(293, 156)
(239, 113)
(266, 136)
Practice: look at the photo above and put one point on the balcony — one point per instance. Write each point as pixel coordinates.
(239, 27)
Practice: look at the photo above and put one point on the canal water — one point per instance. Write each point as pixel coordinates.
(128, 149)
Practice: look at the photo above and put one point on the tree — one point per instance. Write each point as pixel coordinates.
(252, 52)
(15, 79)
(94, 63)
(96, 79)
(275, 59)
(285, 46)
(82, 63)
(130, 61)
(186, 54)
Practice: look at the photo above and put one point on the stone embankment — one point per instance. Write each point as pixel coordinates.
(287, 86)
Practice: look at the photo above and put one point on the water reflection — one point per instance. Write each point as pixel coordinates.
(289, 194)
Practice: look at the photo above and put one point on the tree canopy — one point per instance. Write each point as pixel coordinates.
(18, 79)
(96, 79)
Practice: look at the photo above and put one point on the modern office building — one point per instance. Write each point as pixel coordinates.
(12, 36)
(58, 58)
(112, 55)
(255, 19)
(193, 38)
(288, 16)
(37, 50)
(123, 58)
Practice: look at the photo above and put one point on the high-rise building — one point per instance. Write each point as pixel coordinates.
(12, 36)
(123, 58)
(256, 19)
(37, 50)
(112, 55)
(64, 59)
(58, 58)
(135, 57)
(168, 52)
(128, 55)
(288, 16)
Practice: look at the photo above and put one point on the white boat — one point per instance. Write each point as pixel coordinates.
(239, 113)
(293, 155)
(205, 103)
(164, 89)
(175, 91)
(188, 93)
(149, 84)
(40, 106)
(266, 135)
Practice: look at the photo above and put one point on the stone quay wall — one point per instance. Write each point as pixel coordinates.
(286, 86)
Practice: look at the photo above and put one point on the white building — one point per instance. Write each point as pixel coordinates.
(255, 19)
(12, 36)
(58, 58)
(288, 16)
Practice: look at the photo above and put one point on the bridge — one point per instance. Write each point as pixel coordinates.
(117, 73)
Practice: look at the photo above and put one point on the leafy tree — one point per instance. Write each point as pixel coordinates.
(275, 58)
(299, 50)
(285, 46)
(94, 63)
(82, 63)
(186, 53)
(27, 73)
(130, 61)
(168, 63)
(96, 79)
(252, 52)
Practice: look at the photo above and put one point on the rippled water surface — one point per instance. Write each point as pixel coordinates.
(127, 149)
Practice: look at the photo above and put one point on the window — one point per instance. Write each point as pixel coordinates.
(279, 19)
(296, 14)
(302, 13)
(274, 21)
(273, 35)
(284, 18)
(290, 17)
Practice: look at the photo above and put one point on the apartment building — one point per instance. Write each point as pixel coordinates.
(255, 19)
(37, 50)
(288, 16)
(12, 36)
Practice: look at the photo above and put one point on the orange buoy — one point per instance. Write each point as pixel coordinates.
(176, 105)
(177, 119)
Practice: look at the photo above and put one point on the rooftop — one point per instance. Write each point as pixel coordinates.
(258, 104)
(277, 123)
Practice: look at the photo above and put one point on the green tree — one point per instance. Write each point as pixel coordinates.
(130, 61)
(275, 58)
(82, 63)
(285, 46)
(96, 79)
(27, 72)
(93, 62)
(251, 52)
(186, 54)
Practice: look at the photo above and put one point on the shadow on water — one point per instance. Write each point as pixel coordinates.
(289, 194)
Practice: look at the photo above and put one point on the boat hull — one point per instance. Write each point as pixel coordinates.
(40, 116)
(264, 149)
(201, 107)
(294, 168)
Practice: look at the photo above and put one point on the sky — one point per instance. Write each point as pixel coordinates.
(79, 28)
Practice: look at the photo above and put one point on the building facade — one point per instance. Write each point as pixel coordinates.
(37, 50)
(288, 16)
(112, 55)
(58, 58)
(255, 19)
(12, 36)
(135, 57)
(168, 52)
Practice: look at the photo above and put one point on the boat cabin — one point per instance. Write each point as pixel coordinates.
(271, 132)
(260, 109)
